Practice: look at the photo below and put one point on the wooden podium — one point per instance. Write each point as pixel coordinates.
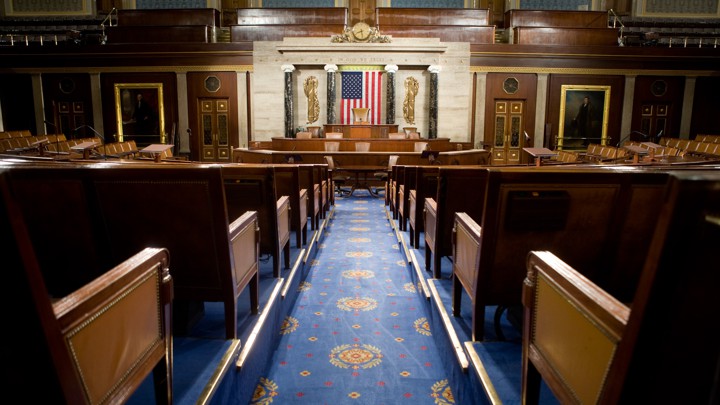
(362, 131)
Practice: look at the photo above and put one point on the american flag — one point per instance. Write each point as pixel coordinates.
(360, 90)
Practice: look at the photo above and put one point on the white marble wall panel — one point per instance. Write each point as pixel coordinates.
(412, 55)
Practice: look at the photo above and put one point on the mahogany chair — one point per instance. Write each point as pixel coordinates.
(338, 180)
(97, 344)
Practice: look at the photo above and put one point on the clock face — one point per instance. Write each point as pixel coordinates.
(510, 85)
(658, 88)
(361, 31)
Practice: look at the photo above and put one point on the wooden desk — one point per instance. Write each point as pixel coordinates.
(362, 131)
(361, 174)
(348, 144)
(85, 148)
(156, 150)
(636, 151)
(539, 154)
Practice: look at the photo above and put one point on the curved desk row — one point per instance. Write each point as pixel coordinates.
(464, 157)
(348, 144)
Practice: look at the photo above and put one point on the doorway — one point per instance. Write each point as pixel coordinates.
(654, 120)
(509, 125)
(214, 133)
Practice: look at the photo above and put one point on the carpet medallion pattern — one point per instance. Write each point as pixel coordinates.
(358, 333)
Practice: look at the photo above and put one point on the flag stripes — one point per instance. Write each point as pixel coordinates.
(361, 89)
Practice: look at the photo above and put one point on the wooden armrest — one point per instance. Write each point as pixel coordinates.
(118, 327)
(572, 329)
(466, 250)
(245, 246)
(283, 213)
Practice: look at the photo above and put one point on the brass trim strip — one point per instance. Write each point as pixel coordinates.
(293, 272)
(459, 352)
(482, 373)
(219, 373)
(260, 323)
(420, 276)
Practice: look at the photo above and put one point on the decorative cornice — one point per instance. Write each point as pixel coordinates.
(586, 71)
(132, 69)
(434, 68)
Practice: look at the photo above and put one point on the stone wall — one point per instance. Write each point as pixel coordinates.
(413, 56)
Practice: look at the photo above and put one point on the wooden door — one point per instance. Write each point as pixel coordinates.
(71, 115)
(654, 120)
(508, 131)
(362, 10)
(214, 134)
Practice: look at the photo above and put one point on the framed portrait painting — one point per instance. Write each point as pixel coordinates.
(583, 116)
(140, 112)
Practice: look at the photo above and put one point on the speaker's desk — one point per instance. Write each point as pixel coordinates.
(348, 144)
(362, 130)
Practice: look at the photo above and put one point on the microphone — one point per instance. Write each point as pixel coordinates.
(57, 136)
(623, 139)
(51, 123)
(528, 141)
(659, 135)
(616, 19)
(108, 18)
(98, 134)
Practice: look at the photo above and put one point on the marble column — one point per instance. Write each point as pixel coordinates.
(289, 130)
(687, 107)
(390, 90)
(331, 94)
(433, 110)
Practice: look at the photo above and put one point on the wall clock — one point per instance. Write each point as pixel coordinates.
(658, 88)
(361, 31)
(511, 85)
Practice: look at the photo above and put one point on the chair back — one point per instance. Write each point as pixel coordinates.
(361, 115)
(362, 146)
(330, 162)
(314, 131)
(409, 130)
(396, 135)
(392, 161)
(332, 146)
(303, 135)
(413, 135)
(420, 146)
(334, 135)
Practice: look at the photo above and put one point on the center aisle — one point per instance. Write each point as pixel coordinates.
(358, 333)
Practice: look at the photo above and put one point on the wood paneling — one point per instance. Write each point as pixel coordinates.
(429, 16)
(68, 94)
(348, 145)
(108, 81)
(197, 90)
(568, 36)
(616, 84)
(555, 18)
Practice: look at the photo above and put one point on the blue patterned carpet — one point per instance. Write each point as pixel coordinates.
(358, 333)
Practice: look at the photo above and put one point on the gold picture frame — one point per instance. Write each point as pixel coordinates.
(139, 112)
(578, 126)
